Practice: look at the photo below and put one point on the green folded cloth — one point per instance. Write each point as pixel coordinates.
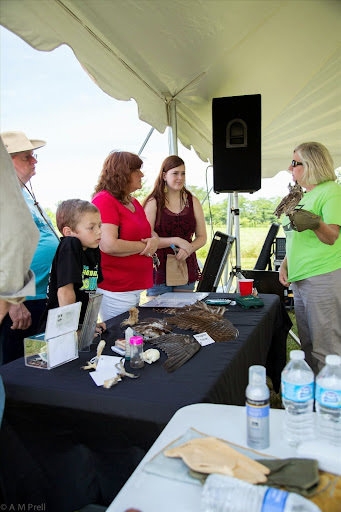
(296, 475)
(249, 301)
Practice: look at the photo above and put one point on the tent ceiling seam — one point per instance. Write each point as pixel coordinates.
(204, 73)
(194, 128)
(110, 50)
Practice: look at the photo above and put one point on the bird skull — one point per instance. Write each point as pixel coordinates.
(151, 355)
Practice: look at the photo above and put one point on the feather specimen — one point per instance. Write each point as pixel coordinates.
(202, 318)
(179, 348)
(290, 201)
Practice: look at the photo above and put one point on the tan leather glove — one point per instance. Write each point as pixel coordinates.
(300, 220)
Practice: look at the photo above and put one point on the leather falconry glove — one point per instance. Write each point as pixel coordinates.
(300, 220)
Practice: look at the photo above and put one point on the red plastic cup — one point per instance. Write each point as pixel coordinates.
(245, 286)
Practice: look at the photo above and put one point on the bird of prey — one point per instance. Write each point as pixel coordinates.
(290, 201)
(179, 348)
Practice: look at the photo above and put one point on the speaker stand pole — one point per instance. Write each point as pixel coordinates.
(233, 218)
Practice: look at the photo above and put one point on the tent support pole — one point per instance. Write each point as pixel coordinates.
(173, 129)
(145, 141)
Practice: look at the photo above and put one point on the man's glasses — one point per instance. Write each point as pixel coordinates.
(295, 164)
(27, 157)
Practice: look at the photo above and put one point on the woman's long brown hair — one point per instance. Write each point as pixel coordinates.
(158, 192)
(115, 176)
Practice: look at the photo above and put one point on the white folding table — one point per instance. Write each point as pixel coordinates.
(152, 493)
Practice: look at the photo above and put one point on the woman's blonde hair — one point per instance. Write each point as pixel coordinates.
(317, 162)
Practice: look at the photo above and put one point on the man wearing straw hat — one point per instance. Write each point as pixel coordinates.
(22, 319)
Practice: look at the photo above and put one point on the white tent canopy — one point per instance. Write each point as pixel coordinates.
(191, 51)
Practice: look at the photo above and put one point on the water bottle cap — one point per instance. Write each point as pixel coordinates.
(136, 340)
(297, 355)
(257, 375)
(333, 360)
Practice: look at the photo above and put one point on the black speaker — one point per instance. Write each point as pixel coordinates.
(236, 127)
(215, 262)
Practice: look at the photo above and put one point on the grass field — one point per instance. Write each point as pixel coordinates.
(251, 243)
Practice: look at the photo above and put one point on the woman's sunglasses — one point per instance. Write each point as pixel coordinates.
(295, 164)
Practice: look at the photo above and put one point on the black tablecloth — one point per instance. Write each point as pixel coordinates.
(77, 443)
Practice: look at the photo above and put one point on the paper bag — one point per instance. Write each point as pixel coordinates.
(176, 271)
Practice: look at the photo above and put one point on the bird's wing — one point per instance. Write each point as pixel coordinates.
(219, 328)
(179, 348)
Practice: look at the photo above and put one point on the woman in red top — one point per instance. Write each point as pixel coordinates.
(127, 244)
(176, 216)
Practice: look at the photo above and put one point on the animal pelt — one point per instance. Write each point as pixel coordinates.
(152, 327)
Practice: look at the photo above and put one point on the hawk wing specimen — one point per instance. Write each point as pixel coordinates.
(290, 201)
(201, 318)
(179, 348)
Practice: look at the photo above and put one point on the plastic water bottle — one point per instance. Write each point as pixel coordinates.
(298, 399)
(328, 401)
(222, 493)
(257, 409)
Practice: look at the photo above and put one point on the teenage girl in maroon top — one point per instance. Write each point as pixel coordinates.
(177, 217)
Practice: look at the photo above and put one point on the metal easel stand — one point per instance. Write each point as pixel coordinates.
(233, 221)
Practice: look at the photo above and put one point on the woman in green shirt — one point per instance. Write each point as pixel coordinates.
(313, 260)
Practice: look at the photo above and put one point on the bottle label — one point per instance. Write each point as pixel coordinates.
(274, 500)
(328, 397)
(297, 392)
(257, 423)
(257, 408)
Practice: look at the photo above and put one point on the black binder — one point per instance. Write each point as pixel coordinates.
(215, 262)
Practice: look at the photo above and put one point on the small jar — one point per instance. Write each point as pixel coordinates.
(136, 352)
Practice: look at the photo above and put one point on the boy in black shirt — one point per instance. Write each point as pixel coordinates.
(76, 267)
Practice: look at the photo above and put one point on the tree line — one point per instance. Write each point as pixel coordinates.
(252, 213)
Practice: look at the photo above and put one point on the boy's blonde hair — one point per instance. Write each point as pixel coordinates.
(70, 212)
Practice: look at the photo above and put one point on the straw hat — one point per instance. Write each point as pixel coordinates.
(15, 142)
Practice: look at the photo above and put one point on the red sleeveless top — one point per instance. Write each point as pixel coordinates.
(183, 225)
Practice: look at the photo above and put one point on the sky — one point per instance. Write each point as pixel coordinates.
(49, 96)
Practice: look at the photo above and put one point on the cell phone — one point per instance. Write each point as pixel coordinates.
(218, 302)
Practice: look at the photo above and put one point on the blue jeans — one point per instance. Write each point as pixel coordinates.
(159, 289)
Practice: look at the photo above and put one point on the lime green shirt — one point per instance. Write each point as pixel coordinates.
(307, 256)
